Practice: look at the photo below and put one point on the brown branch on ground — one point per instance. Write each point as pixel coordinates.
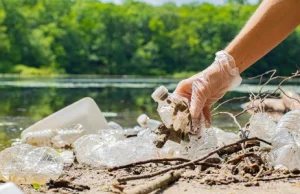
(278, 178)
(160, 160)
(258, 174)
(193, 162)
(159, 182)
(64, 183)
(239, 158)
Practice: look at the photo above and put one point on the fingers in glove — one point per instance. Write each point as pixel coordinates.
(198, 98)
(207, 116)
(183, 89)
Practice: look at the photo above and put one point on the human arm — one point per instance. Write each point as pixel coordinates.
(273, 21)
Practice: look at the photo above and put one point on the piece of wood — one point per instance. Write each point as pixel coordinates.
(159, 182)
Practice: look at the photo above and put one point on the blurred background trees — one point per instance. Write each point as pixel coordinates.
(91, 37)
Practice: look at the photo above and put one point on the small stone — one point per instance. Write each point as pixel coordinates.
(295, 171)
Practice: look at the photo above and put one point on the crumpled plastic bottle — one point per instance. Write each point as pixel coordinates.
(111, 148)
(114, 125)
(287, 155)
(26, 164)
(262, 126)
(286, 142)
(83, 146)
(174, 111)
(198, 146)
(57, 138)
(123, 152)
(224, 137)
(290, 122)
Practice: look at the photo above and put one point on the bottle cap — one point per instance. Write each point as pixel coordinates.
(143, 120)
(160, 94)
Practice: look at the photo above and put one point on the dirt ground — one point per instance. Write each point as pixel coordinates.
(79, 179)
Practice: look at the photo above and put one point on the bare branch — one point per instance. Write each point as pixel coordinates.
(226, 101)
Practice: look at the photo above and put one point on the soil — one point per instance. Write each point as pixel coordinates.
(80, 179)
(240, 167)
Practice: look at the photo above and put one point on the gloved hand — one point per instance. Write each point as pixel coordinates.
(207, 87)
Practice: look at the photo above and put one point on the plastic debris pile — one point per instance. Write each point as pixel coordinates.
(111, 145)
(286, 141)
(27, 164)
(284, 136)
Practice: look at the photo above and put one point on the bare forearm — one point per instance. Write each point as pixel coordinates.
(272, 22)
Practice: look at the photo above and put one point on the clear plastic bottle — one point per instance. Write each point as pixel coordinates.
(173, 110)
(144, 121)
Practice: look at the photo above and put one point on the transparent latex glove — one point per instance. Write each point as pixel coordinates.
(207, 87)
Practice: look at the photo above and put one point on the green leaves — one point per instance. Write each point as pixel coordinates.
(36, 186)
(91, 37)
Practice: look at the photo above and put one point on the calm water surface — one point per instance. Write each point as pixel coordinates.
(23, 101)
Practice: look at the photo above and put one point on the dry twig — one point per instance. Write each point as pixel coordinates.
(160, 160)
(226, 101)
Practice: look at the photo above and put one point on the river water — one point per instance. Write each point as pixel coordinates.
(25, 100)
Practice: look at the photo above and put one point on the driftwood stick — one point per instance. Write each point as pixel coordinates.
(278, 178)
(239, 158)
(159, 160)
(258, 174)
(160, 182)
(193, 162)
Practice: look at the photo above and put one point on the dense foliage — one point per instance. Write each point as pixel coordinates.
(87, 36)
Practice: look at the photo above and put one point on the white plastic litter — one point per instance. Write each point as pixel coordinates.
(282, 138)
(287, 155)
(290, 122)
(170, 149)
(67, 157)
(286, 142)
(173, 109)
(123, 152)
(224, 138)
(199, 146)
(84, 145)
(10, 188)
(111, 148)
(57, 138)
(144, 121)
(262, 126)
(84, 111)
(114, 125)
(26, 164)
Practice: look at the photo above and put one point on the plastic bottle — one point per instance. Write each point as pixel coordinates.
(26, 164)
(144, 121)
(173, 110)
(84, 112)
